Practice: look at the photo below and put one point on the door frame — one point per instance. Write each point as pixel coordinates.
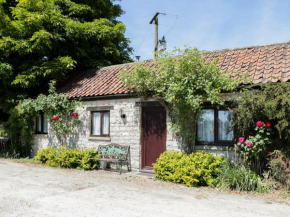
(143, 168)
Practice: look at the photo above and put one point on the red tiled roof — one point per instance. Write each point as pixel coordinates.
(269, 63)
(99, 82)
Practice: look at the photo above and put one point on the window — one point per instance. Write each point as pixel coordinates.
(41, 124)
(100, 124)
(214, 126)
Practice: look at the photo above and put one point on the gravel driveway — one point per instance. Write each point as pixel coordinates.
(35, 190)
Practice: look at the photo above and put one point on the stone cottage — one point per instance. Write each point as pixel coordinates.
(112, 114)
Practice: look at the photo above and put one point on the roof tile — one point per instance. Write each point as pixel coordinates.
(269, 63)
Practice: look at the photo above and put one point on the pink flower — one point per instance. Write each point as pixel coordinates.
(259, 123)
(268, 124)
(249, 144)
(241, 139)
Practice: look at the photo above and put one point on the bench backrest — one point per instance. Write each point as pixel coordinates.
(114, 149)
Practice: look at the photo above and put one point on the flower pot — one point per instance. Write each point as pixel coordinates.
(103, 164)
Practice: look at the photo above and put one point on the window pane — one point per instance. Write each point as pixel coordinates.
(205, 126)
(106, 123)
(45, 124)
(224, 124)
(96, 123)
(38, 123)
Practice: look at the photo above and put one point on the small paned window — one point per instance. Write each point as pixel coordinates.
(224, 124)
(214, 126)
(100, 123)
(206, 126)
(41, 124)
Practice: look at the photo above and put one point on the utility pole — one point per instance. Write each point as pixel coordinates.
(155, 20)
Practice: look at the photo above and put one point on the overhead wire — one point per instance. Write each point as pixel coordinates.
(148, 31)
(171, 27)
(176, 17)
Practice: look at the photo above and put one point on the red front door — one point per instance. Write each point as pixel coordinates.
(153, 135)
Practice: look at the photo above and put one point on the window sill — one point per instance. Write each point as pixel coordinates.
(42, 135)
(99, 138)
(211, 147)
(4, 138)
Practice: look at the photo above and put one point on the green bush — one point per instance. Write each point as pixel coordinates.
(270, 102)
(86, 163)
(279, 167)
(196, 169)
(68, 158)
(3, 131)
(237, 176)
(44, 154)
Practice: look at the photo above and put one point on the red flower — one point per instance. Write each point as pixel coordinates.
(259, 123)
(75, 115)
(56, 118)
(249, 144)
(268, 124)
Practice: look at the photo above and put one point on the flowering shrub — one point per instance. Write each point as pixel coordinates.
(61, 109)
(267, 102)
(255, 145)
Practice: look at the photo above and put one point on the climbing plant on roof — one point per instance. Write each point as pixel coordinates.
(182, 81)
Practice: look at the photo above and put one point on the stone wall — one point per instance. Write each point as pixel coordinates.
(229, 153)
(123, 131)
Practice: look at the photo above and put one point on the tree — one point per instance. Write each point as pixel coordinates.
(41, 40)
(182, 82)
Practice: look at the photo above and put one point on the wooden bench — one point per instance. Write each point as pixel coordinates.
(115, 153)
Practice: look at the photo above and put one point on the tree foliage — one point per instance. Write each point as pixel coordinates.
(182, 81)
(41, 40)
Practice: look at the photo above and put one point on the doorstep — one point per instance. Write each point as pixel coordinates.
(147, 170)
(147, 175)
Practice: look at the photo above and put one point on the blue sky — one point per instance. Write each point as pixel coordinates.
(206, 24)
